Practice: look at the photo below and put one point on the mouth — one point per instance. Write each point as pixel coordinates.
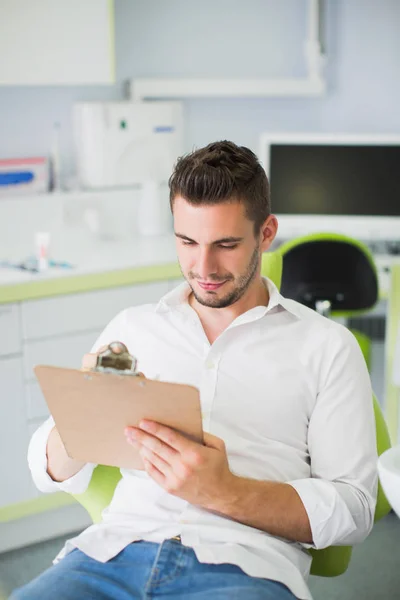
(210, 287)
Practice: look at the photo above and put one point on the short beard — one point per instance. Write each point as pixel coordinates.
(244, 282)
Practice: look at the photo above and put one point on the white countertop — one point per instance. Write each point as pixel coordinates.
(88, 254)
(72, 242)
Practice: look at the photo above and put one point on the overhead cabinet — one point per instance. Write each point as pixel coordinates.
(56, 42)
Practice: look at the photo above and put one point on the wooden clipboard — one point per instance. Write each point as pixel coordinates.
(91, 410)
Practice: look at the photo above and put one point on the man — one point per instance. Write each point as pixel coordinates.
(289, 455)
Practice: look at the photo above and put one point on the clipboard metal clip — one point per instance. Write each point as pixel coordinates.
(116, 359)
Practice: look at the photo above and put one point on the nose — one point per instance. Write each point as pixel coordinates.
(205, 264)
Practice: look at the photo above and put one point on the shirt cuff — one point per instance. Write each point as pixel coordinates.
(330, 518)
(37, 460)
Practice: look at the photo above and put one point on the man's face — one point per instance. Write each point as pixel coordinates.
(217, 250)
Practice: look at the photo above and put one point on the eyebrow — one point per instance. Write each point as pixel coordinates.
(225, 240)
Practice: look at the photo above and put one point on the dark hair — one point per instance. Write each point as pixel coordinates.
(223, 172)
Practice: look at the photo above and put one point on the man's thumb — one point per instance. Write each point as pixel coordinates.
(212, 441)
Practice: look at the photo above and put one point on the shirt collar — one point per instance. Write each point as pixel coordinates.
(178, 298)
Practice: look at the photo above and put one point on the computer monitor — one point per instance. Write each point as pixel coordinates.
(344, 183)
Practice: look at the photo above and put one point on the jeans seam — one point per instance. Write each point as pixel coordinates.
(168, 578)
(158, 582)
(153, 572)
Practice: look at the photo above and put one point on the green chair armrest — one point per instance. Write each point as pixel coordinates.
(330, 562)
(100, 491)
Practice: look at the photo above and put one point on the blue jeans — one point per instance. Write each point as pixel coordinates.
(147, 570)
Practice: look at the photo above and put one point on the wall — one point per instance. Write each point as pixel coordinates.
(227, 38)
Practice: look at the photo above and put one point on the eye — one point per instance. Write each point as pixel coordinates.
(228, 246)
(188, 243)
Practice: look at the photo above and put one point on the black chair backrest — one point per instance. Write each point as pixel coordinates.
(337, 271)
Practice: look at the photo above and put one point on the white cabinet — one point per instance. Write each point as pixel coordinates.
(36, 407)
(48, 42)
(10, 334)
(16, 483)
(63, 351)
(59, 331)
(90, 311)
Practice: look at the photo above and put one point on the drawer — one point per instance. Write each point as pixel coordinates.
(36, 407)
(16, 480)
(83, 312)
(66, 351)
(10, 330)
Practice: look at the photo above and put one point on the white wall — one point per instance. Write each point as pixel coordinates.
(233, 38)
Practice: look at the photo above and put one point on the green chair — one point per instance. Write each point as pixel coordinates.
(328, 562)
(333, 274)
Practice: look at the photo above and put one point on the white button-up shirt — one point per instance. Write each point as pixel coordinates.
(289, 393)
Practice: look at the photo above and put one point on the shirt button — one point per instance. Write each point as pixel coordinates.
(210, 364)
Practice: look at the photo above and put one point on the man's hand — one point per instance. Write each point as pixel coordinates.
(89, 361)
(200, 474)
(194, 472)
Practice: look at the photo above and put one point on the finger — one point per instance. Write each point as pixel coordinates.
(90, 360)
(166, 452)
(154, 473)
(212, 441)
(163, 467)
(169, 436)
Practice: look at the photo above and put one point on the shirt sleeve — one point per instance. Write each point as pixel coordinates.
(37, 460)
(37, 451)
(340, 496)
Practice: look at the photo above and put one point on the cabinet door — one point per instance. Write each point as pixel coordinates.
(16, 482)
(63, 42)
(89, 311)
(63, 351)
(10, 334)
(36, 407)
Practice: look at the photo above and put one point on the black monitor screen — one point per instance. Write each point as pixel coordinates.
(335, 180)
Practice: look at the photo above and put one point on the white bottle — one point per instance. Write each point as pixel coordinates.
(154, 215)
(42, 241)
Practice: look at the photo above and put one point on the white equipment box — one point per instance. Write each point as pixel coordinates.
(120, 144)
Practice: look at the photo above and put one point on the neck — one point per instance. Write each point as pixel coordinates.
(217, 319)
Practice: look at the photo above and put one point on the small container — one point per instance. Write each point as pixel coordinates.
(20, 176)
(42, 241)
(154, 214)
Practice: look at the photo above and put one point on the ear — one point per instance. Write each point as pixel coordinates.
(268, 232)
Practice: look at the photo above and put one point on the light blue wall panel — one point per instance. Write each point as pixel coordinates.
(236, 38)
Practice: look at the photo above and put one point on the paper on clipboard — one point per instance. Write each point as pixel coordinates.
(91, 410)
